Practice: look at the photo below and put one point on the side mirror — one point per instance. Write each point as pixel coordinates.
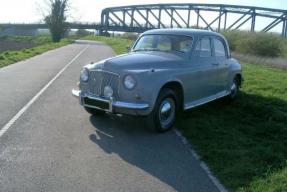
(128, 48)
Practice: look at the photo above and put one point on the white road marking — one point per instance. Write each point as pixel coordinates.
(18, 115)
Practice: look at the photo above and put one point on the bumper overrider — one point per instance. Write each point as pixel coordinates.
(110, 105)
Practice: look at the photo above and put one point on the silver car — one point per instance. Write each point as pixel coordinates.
(165, 72)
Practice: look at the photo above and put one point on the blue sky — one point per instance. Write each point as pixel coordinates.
(30, 11)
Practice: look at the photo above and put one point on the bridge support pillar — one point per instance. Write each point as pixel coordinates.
(219, 21)
(100, 32)
(171, 18)
(225, 18)
(197, 20)
(284, 27)
(253, 20)
(188, 18)
(159, 18)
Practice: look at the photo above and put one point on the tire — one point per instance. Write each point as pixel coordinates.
(163, 115)
(234, 89)
(93, 111)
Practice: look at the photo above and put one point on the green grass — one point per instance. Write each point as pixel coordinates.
(119, 45)
(245, 142)
(37, 40)
(42, 44)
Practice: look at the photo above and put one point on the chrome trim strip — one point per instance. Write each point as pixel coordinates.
(100, 70)
(94, 107)
(206, 100)
(130, 105)
(96, 98)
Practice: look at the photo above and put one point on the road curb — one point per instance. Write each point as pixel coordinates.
(202, 164)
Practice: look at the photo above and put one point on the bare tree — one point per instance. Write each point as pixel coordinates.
(56, 19)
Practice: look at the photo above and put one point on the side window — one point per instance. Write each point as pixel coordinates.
(219, 49)
(203, 47)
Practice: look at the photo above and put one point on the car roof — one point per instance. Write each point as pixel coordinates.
(180, 31)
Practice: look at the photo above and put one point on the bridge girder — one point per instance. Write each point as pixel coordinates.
(139, 18)
(179, 15)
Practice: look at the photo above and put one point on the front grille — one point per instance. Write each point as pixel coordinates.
(99, 79)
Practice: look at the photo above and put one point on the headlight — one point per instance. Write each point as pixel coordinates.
(129, 82)
(84, 75)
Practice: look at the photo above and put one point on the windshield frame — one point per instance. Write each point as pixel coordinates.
(167, 51)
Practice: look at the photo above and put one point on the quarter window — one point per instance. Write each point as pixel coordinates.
(219, 49)
(204, 47)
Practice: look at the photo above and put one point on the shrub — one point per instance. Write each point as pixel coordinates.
(262, 44)
(232, 37)
(130, 36)
(83, 32)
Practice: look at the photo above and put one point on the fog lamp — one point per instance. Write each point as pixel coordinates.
(108, 91)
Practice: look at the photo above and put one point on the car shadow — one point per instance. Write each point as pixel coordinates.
(162, 156)
(249, 130)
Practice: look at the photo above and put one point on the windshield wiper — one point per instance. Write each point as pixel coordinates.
(147, 49)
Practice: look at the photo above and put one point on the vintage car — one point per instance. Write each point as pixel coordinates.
(166, 71)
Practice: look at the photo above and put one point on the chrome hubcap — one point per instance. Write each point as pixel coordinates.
(166, 112)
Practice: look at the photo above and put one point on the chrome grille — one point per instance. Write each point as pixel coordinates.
(99, 79)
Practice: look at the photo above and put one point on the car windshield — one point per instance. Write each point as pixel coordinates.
(166, 43)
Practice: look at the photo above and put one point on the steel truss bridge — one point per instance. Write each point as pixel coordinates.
(214, 17)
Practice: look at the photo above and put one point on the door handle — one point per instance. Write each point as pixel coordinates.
(215, 64)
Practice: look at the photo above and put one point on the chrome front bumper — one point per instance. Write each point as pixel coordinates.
(114, 106)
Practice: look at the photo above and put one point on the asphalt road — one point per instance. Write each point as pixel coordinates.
(54, 145)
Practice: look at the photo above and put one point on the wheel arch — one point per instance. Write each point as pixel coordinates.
(177, 87)
(239, 77)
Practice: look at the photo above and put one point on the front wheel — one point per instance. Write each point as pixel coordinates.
(163, 116)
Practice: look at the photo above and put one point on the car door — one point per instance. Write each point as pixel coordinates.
(201, 75)
(220, 53)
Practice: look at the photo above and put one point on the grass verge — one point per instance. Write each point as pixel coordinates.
(9, 57)
(36, 40)
(245, 142)
(119, 45)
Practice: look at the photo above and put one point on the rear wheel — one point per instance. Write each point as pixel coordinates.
(234, 89)
(163, 116)
(94, 111)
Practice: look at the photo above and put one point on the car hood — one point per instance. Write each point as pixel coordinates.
(140, 61)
